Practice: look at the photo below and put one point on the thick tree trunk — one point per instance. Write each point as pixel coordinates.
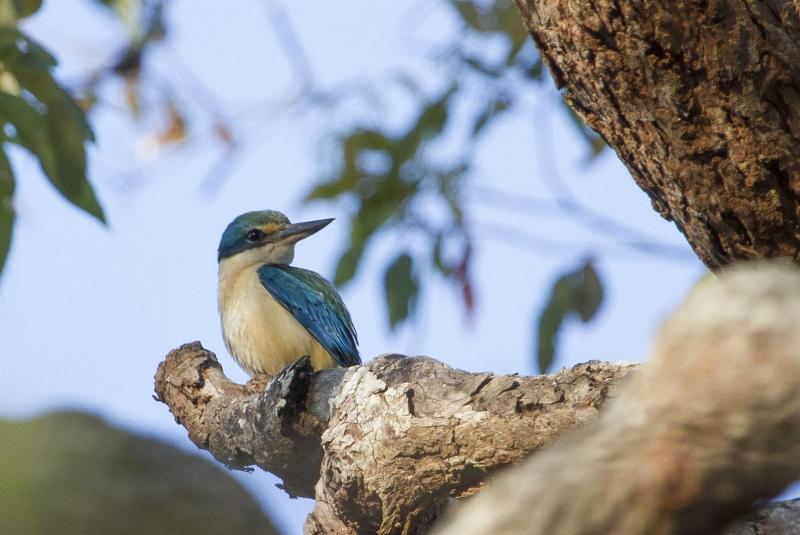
(701, 101)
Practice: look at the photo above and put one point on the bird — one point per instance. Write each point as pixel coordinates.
(272, 313)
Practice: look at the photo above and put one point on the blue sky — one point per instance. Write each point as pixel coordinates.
(87, 312)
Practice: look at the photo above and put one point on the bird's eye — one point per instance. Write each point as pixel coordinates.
(254, 235)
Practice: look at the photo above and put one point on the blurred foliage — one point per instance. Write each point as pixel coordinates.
(407, 179)
(401, 287)
(37, 114)
(71, 473)
(575, 293)
(390, 179)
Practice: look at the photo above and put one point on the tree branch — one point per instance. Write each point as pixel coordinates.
(391, 441)
(274, 425)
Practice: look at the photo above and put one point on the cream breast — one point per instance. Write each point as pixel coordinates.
(259, 332)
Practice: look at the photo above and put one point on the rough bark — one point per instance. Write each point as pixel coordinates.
(701, 101)
(391, 441)
(710, 426)
(274, 424)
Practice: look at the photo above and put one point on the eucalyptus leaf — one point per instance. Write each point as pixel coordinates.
(45, 119)
(348, 262)
(402, 288)
(577, 293)
(13, 10)
(7, 214)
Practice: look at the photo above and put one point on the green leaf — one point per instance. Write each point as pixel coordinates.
(46, 120)
(130, 13)
(348, 262)
(429, 123)
(588, 292)
(17, 51)
(28, 127)
(575, 293)
(489, 112)
(13, 10)
(6, 207)
(558, 306)
(437, 256)
(470, 14)
(347, 177)
(377, 208)
(402, 288)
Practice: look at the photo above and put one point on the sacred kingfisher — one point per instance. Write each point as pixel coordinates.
(273, 313)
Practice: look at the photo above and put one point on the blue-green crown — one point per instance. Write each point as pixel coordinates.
(234, 239)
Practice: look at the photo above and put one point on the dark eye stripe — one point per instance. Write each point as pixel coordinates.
(254, 235)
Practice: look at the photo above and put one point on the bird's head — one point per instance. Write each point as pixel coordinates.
(265, 237)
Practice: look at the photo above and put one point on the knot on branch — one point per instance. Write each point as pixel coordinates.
(273, 423)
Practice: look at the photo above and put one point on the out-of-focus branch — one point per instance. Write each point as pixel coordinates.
(708, 428)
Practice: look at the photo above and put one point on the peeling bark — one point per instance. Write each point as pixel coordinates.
(274, 425)
(700, 100)
(408, 434)
(391, 441)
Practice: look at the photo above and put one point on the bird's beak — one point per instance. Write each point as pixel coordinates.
(295, 232)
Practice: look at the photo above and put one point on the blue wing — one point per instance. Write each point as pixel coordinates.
(316, 304)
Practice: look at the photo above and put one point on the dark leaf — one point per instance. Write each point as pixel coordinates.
(13, 10)
(402, 288)
(45, 119)
(481, 67)
(575, 293)
(348, 263)
(588, 292)
(64, 158)
(6, 207)
(28, 128)
(19, 51)
(348, 176)
(557, 308)
(489, 112)
(437, 258)
(510, 23)
(429, 123)
(470, 14)
(462, 274)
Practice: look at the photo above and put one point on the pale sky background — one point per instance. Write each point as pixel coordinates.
(87, 312)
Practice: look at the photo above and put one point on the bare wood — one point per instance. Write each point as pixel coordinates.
(700, 100)
(403, 436)
(408, 434)
(271, 424)
(707, 428)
